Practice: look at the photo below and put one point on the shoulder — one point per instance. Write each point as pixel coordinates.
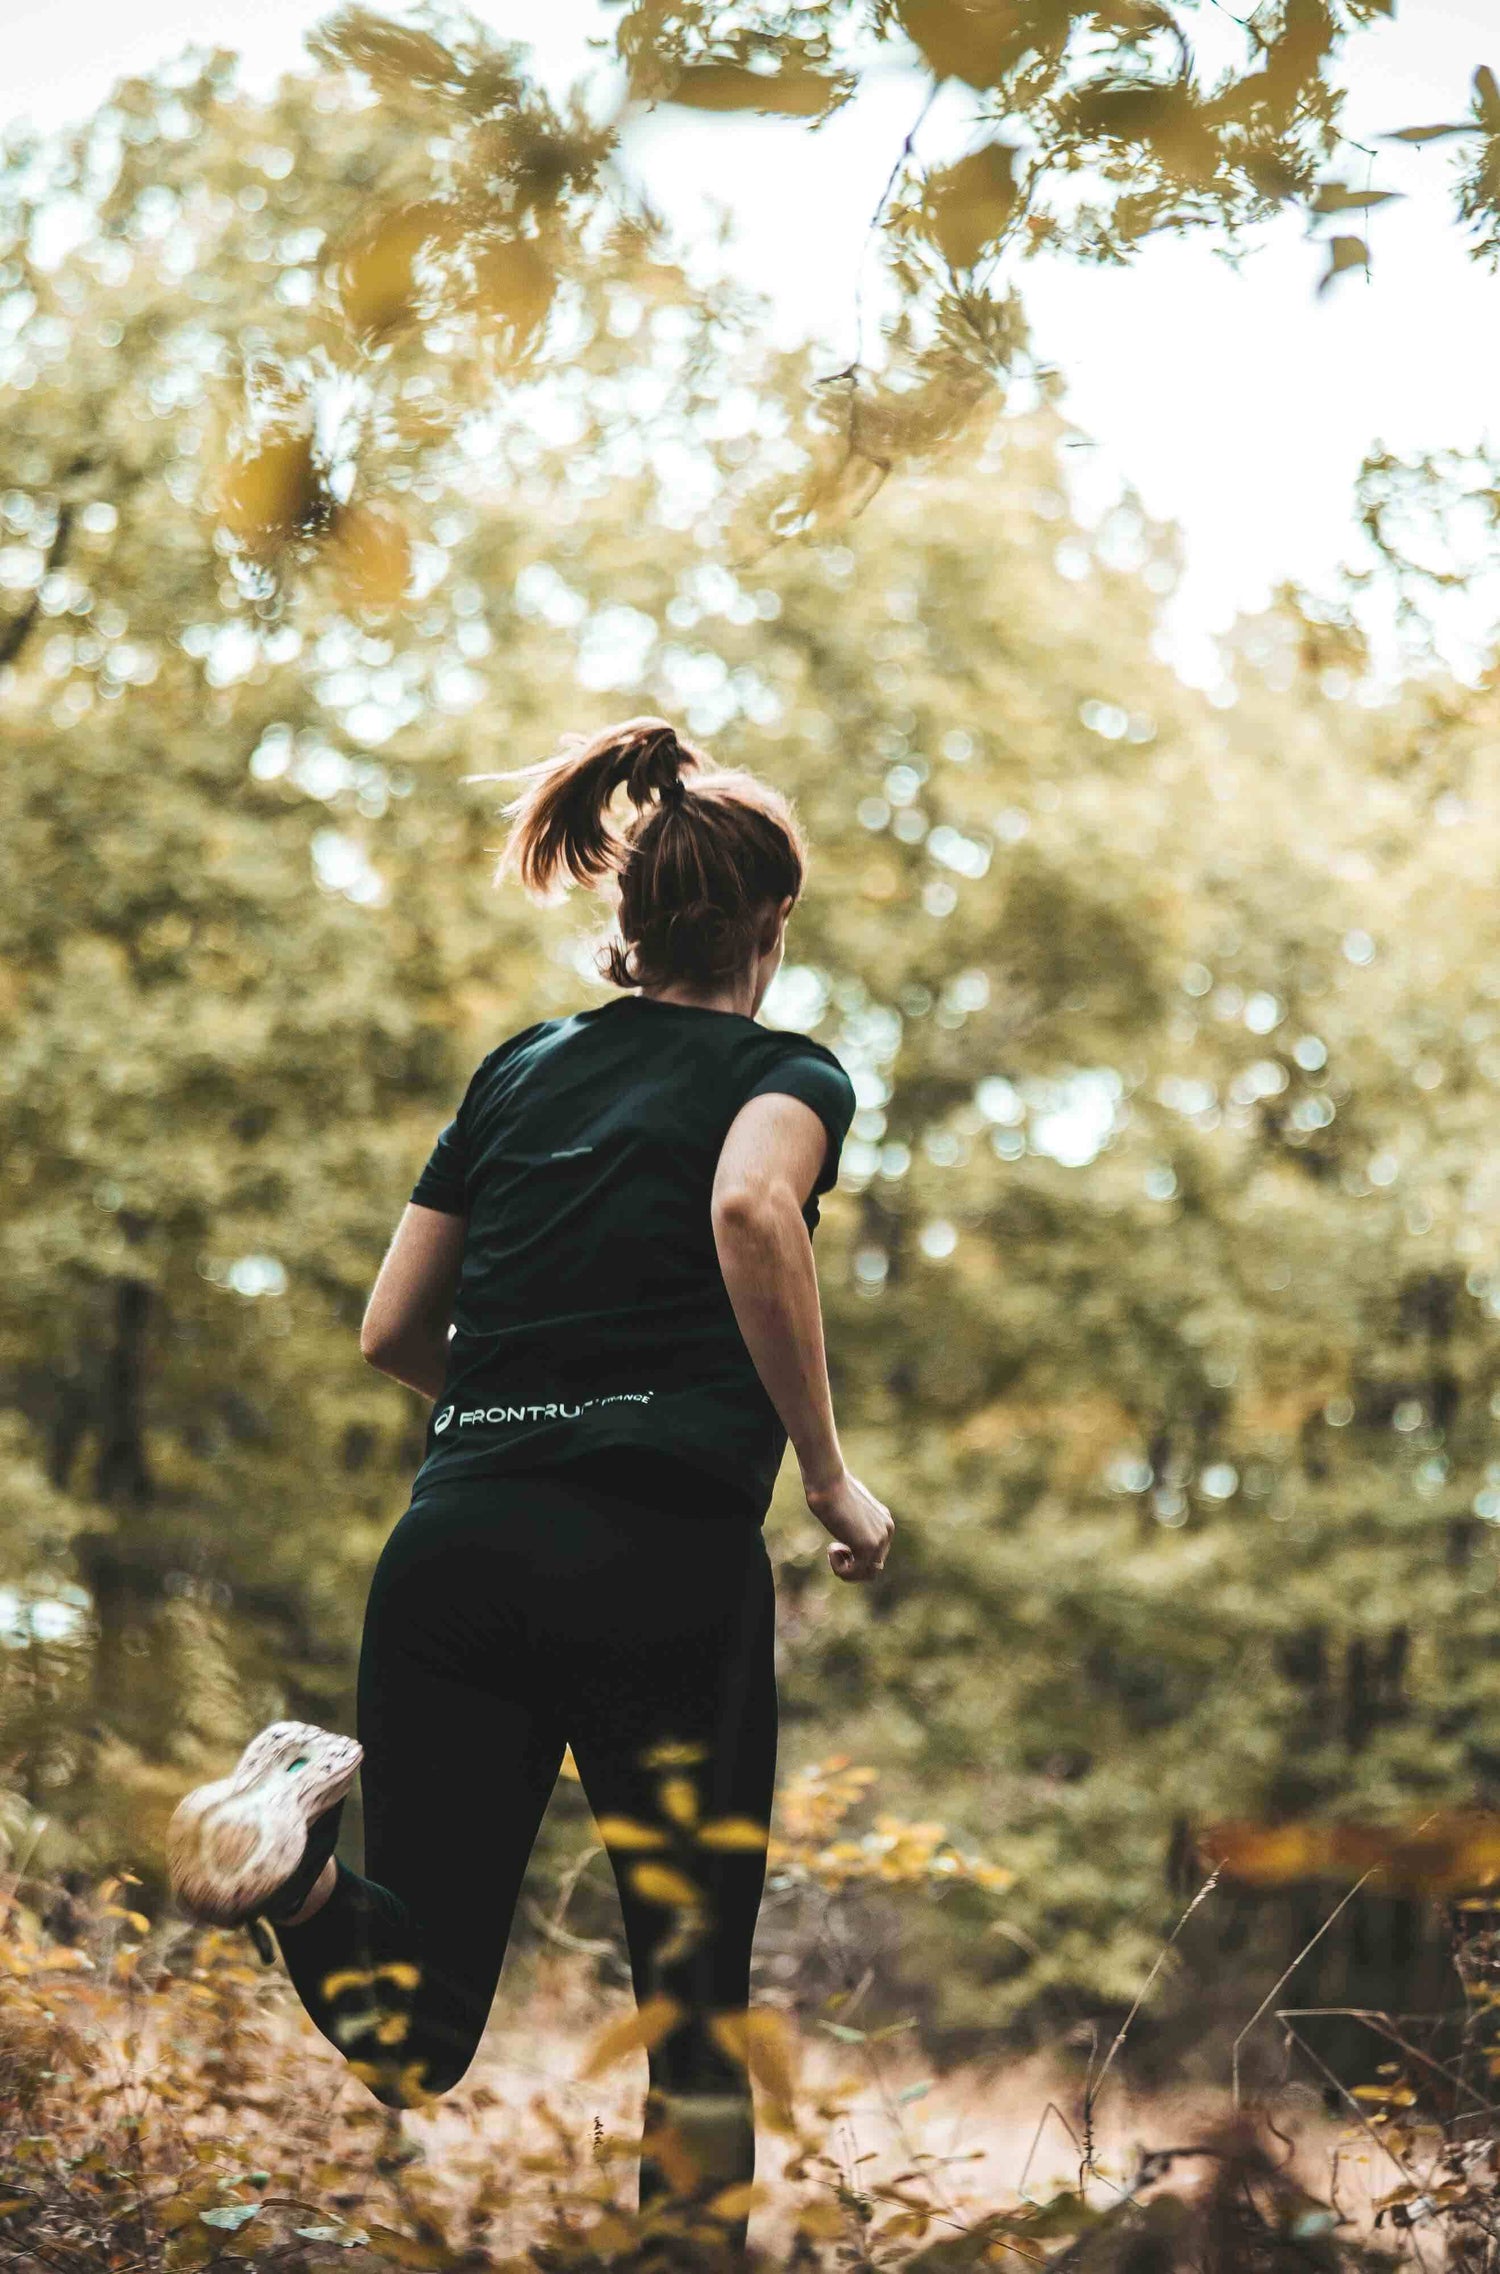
(781, 1045)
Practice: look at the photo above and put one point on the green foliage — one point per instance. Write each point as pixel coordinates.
(358, 449)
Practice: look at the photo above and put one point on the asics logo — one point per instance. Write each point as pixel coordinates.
(442, 1421)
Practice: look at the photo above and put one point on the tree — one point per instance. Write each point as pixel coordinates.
(1158, 1281)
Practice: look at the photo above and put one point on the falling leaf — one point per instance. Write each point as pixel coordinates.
(375, 274)
(1427, 133)
(272, 490)
(347, 1978)
(624, 1832)
(660, 1883)
(1333, 197)
(972, 40)
(679, 1799)
(732, 1834)
(968, 204)
(673, 1754)
(638, 2031)
(1487, 97)
(823, 2220)
(736, 2202)
(793, 92)
(1344, 254)
(369, 553)
(392, 56)
(760, 2040)
(514, 285)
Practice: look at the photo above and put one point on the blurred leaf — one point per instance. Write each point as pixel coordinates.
(1447, 1855)
(761, 2041)
(789, 93)
(679, 1799)
(1428, 133)
(975, 40)
(1487, 98)
(1333, 197)
(966, 205)
(1344, 254)
(513, 286)
(375, 274)
(733, 1835)
(660, 1883)
(406, 2250)
(232, 2216)
(272, 490)
(369, 553)
(633, 2032)
(393, 56)
(624, 1832)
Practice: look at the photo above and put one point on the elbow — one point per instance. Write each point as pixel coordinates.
(378, 1346)
(751, 1215)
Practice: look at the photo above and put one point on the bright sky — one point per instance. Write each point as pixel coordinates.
(1235, 403)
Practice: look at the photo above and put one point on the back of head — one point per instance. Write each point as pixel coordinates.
(704, 855)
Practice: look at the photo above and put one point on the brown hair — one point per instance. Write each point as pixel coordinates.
(707, 852)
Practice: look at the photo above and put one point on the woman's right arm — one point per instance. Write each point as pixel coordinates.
(769, 1164)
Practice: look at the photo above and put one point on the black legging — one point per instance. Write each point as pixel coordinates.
(508, 1618)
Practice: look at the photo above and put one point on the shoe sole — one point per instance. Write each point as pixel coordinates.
(231, 1844)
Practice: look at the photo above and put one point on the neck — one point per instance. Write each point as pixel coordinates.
(731, 995)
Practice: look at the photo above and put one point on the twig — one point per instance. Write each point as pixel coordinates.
(1095, 2084)
(1280, 1983)
(856, 361)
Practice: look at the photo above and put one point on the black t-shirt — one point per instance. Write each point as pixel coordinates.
(591, 1314)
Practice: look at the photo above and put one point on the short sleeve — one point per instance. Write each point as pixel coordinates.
(820, 1082)
(444, 1183)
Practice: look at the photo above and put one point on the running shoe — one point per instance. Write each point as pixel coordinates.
(252, 1844)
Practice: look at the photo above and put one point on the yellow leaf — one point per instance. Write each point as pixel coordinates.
(1344, 254)
(673, 1755)
(637, 2031)
(737, 2202)
(793, 92)
(968, 204)
(961, 39)
(375, 277)
(662, 1883)
(823, 2220)
(759, 2040)
(347, 1978)
(514, 284)
(624, 1832)
(679, 1799)
(400, 1973)
(272, 491)
(369, 553)
(730, 1834)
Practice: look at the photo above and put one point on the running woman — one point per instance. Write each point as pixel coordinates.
(605, 1281)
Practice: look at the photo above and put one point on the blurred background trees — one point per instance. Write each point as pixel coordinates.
(368, 438)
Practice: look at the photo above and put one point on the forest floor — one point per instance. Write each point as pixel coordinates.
(165, 2105)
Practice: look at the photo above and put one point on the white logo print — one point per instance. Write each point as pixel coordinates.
(442, 1421)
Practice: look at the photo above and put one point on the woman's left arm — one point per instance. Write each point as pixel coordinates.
(405, 1330)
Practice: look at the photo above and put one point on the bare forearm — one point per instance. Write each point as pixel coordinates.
(766, 1257)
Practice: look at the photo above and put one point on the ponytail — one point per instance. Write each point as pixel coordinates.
(706, 853)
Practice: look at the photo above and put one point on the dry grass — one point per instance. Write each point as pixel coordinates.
(164, 2106)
